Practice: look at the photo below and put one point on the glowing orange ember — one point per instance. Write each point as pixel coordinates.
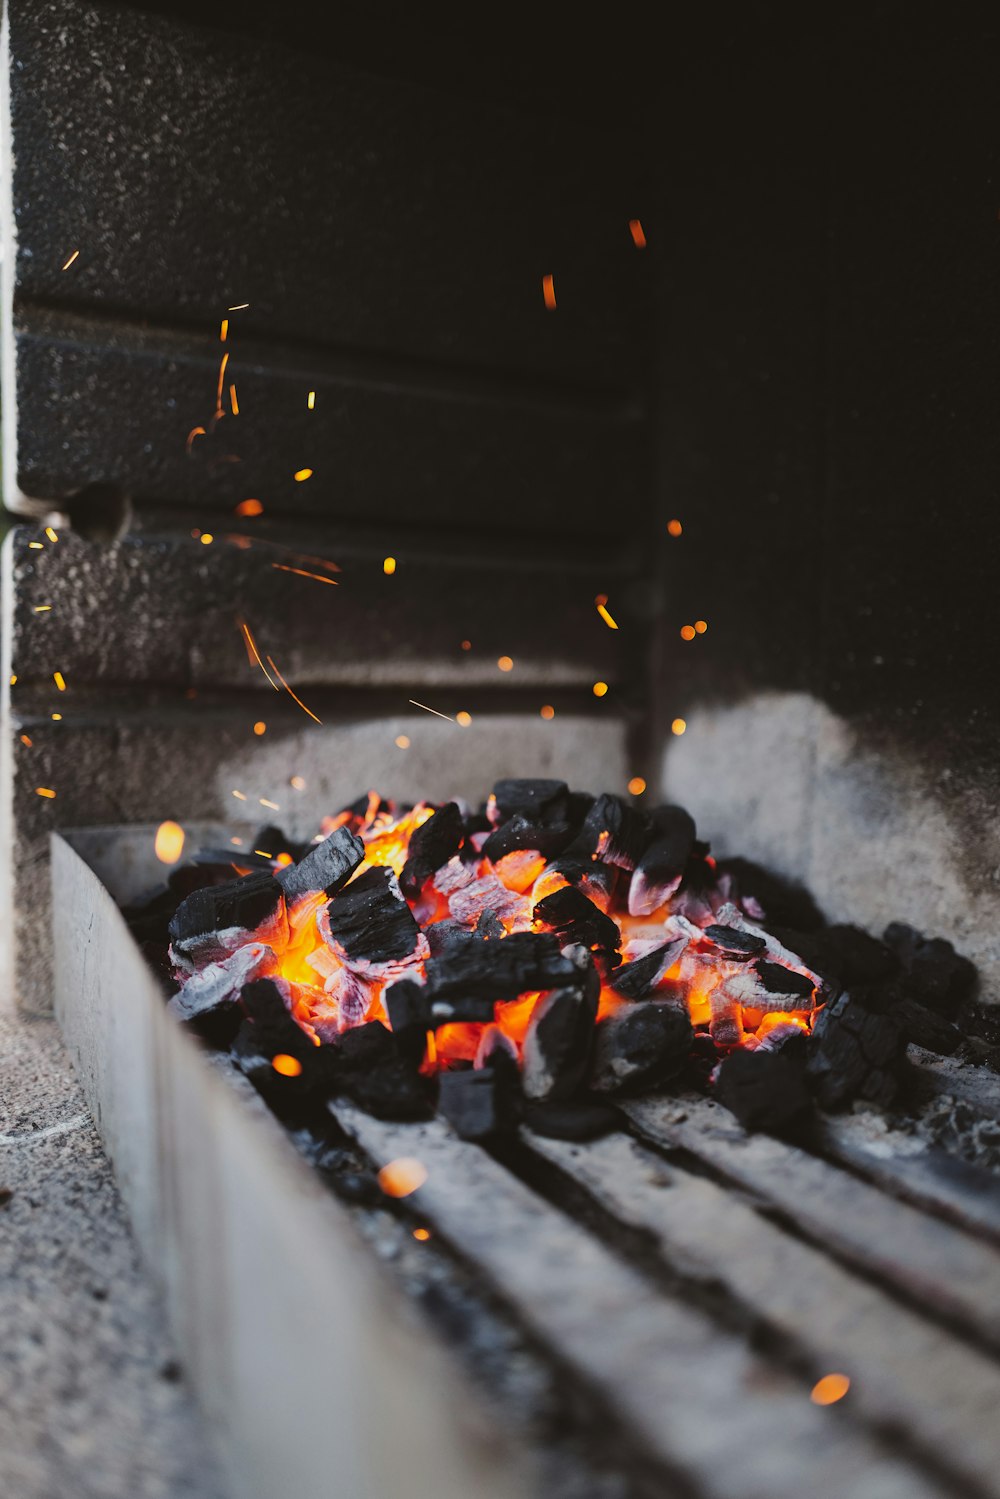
(249, 507)
(59, 680)
(389, 566)
(700, 626)
(506, 663)
(286, 1065)
(678, 726)
(547, 710)
(422, 1234)
(169, 842)
(260, 727)
(600, 689)
(688, 632)
(301, 474)
(636, 786)
(549, 293)
(830, 1389)
(636, 231)
(402, 1177)
(675, 528)
(45, 791)
(51, 534)
(601, 602)
(464, 719)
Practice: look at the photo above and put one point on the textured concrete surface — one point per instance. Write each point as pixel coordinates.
(92, 1403)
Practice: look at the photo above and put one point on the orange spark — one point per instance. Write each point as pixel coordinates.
(26, 740)
(59, 680)
(549, 293)
(249, 507)
(71, 260)
(234, 403)
(42, 608)
(240, 307)
(51, 534)
(206, 538)
(636, 786)
(252, 646)
(240, 797)
(265, 803)
(302, 573)
(505, 663)
(222, 377)
(467, 645)
(298, 783)
(311, 400)
(830, 1389)
(260, 727)
(195, 432)
(286, 1065)
(678, 726)
(701, 626)
(688, 632)
(601, 602)
(44, 791)
(429, 710)
(36, 546)
(547, 711)
(403, 1176)
(224, 330)
(291, 694)
(301, 474)
(600, 689)
(674, 527)
(463, 718)
(422, 1234)
(636, 231)
(169, 842)
(402, 741)
(389, 566)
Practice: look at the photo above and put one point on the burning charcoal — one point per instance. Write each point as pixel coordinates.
(370, 920)
(636, 980)
(372, 1069)
(517, 833)
(726, 1024)
(613, 832)
(326, 867)
(576, 920)
(246, 903)
(495, 1049)
(661, 868)
(786, 1039)
(596, 880)
(489, 926)
(735, 945)
(856, 1052)
(559, 1039)
(488, 893)
(432, 844)
(480, 1104)
(443, 935)
(572, 1121)
(765, 1091)
(935, 974)
(777, 979)
(641, 1046)
(781, 900)
(407, 1005)
(214, 993)
(537, 800)
(927, 1028)
(274, 1053)
(465, 983)
(747, 988)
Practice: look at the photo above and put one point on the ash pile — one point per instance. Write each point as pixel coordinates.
(533, 961)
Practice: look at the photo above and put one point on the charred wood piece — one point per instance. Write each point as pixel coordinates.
(370, 1066)
(613, 832)
(636, 980)
(269, 1045)
(519, 833)
(559, 1039)
(535, 799)
(327, 867)
(408, 1007)
(465, 983)
(927, 1028)
(576, 920)
(735, 945)
(246, 903)
(765, 1090)
(480, 1104)
(639, 1047)
(370, 919)
(431, 845)
(213, 993)
(856, 1052)
(777, 979)
(935, 974)
(572, 1121)
(661, 868)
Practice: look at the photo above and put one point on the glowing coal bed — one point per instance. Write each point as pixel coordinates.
(537, 959)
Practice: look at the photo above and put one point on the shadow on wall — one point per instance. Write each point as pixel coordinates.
(781, 780)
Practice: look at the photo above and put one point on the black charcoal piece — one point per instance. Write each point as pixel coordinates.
(536, 800)
(365, 1047)
(489, 926)
(856, 1051)
(661, 867)
(390, 1090)
(640, 1047)
(209, 997)
(448, 933)
(777, 979)
(855, 957)
(479, 1104)
(408, 1009)
(559, 1041)
(576, 920)
(269, 1036)
(935, 974)
(519, 833)
(327, 866)
(246, 903)
(499, 969)
(927, 1028)
(613, 832)
(370, 919)
(636, 980)
(586, 874)
(765, 1090)
(572, 1121)
(781, 900)
(433, 843)
(735, 945)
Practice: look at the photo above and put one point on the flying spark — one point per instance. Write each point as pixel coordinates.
(291, 694)
(71, 260)
(252, 647)
(637, 233)
(430, 710)
(302, 573)
(601, 602)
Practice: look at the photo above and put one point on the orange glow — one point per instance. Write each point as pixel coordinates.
(45, 791)
(195, 432)
(254, 655)
(422, 1234)
(71, 260)
(600, 689)
(402, 1177)
(59, 680)
(234, 403)
(700, 626)
(830, 1389)
(687, 632)
(675, 528)
(301, 474)
(222, 378)
(207, 538)
(678, 726)
(636, 231)
(467, 645)
(505, 663)
(283, 860)
(402, 741)
(249, 507)
(636, 786)
(547, 711)
(549, 293)
(302, 573)
(311, 400)
(51, 534)
(260, 727)
(169, 843)
(36, 546)
(224, 330)
(13, 678)
(464, 719)
(601, 602)
(57, 717)
(389, 566)
(286, 1065)
(26, 740)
